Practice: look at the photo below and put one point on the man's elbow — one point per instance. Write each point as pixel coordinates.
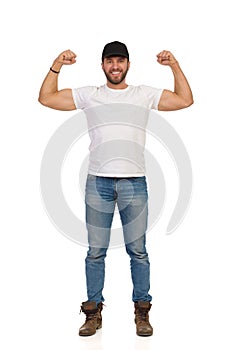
(44, 101)
(188, 103)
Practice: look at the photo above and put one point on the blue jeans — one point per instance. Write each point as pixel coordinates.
(101, 196)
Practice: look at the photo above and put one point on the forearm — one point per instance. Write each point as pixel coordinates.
(181, 85)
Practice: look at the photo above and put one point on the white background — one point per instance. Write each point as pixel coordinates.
(42, 272)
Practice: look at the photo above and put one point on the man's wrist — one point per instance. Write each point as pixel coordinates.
(54, 71)
(174, 62)
(174, 65)
(56, 66)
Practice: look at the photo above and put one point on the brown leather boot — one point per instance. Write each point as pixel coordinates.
(93, 318)
(143, 326)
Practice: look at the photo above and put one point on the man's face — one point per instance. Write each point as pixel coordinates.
(115, 69)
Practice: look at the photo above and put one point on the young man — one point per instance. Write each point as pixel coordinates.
(114, 178)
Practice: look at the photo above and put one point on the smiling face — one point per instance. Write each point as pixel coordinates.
(115, 69)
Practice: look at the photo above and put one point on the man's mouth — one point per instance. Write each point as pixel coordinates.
(115, 73)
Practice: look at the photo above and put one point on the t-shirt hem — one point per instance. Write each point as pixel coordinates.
(116, 174)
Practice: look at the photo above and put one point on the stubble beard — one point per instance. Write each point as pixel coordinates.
(116, 82)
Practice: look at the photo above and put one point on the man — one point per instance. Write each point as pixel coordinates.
(116, 173)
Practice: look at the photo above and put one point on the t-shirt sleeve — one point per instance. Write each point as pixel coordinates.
(82, 95)
(153, 95)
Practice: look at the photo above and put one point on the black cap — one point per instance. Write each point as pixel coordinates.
(115, 48)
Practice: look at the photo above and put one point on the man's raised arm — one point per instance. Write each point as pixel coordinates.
(49, 95)
(182, 96)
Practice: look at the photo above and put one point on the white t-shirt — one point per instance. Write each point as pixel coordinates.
(117, 120)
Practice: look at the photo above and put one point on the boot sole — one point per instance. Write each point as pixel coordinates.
(145, 335)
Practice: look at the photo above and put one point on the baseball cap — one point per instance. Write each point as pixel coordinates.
(115, 48)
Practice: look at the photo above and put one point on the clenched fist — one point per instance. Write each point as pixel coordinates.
(66, 57)
(166, 58)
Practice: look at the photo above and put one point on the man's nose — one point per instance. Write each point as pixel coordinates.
(115, 65)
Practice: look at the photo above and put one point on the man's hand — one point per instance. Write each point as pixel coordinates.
(66, 57)
(166, 58)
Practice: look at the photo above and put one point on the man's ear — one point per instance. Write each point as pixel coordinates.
(128, 64)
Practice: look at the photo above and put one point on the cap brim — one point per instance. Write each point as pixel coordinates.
(115, 54)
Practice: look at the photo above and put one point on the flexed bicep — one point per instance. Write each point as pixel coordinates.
(170, 101)
(62, 100)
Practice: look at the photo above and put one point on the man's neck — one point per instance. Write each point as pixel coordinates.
(120, 86)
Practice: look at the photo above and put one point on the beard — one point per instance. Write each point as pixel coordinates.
(118, 80)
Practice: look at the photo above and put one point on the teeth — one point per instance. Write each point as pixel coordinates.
(115, 73)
